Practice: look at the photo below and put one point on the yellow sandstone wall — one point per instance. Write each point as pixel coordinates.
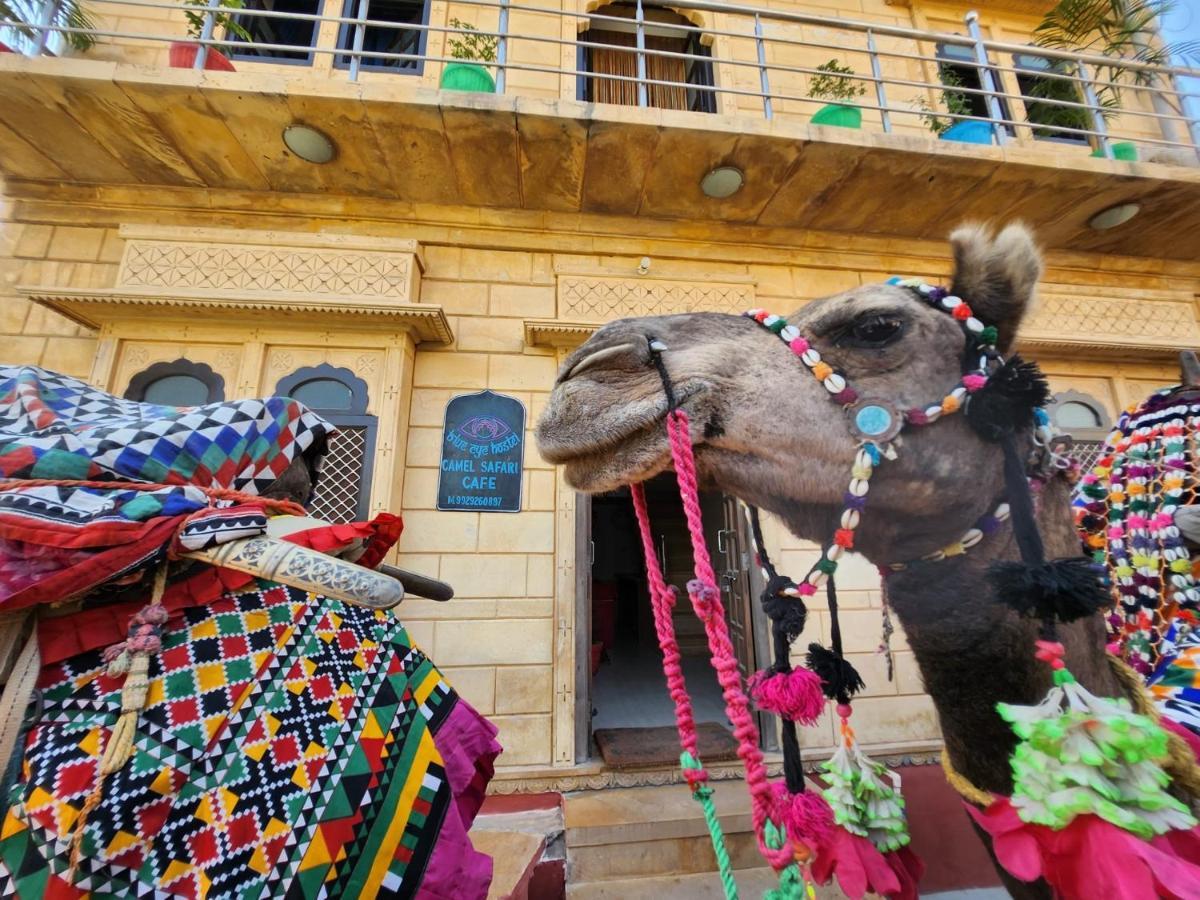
(504, 640)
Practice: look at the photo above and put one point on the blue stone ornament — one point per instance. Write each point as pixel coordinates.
(875, 421)
(872, 420)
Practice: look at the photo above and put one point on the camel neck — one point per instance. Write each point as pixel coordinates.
(974, 653)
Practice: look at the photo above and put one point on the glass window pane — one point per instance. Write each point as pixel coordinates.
(323, 393)
(298, 33)
(1073, 414)
(384, 38)
(176, 390)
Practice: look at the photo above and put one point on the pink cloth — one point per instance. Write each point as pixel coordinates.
(468, 746)
(1092, 857)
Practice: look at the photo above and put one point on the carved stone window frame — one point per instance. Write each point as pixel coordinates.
(1081, 434)
(356, 417)
(203, 373)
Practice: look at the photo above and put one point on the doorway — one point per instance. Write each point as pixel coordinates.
(622, 689)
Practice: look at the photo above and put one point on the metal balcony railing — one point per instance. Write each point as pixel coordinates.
(708, 56)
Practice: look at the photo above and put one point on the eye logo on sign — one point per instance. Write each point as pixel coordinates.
(484, 428)
(482, 443)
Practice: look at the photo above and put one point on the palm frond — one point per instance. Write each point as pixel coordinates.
(72, 14)
(67, 14)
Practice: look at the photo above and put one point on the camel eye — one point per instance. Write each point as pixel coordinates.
(873, 332)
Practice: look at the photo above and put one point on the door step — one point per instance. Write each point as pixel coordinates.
(752, 884)
(654, 831)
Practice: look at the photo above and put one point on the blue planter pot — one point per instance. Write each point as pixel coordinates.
(968, 133)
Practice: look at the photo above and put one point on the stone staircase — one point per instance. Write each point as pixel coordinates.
(651, 843)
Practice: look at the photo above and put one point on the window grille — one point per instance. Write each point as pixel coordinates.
(337, 395)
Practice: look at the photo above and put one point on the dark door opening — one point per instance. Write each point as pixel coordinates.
(628, 697)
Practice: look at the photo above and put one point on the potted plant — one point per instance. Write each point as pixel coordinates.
(475, 48)
(1122, 30)
(956, 103)
(832, 84)
(67, 14)
(183, 53)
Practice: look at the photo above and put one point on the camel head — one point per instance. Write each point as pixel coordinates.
(767, 431)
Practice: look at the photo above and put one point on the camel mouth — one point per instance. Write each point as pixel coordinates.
(622, 444)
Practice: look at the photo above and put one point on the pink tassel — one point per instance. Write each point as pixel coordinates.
(859, 868)
(1091, 852)
(806, 816)
(794, 695)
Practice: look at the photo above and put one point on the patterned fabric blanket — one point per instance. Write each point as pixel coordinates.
(57, 540)
(288, 746)
(291, 746)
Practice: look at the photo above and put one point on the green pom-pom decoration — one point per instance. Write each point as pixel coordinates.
(1085, 755)
(865, 798)
(989, 336)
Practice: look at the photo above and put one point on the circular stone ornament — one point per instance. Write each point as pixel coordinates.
(875, 420)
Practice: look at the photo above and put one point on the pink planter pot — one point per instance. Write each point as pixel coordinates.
(183, 56)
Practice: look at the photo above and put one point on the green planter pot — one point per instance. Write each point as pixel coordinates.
(1123, 150)
(836, 114)
(467, 77)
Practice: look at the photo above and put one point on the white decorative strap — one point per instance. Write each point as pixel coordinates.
(308, 570)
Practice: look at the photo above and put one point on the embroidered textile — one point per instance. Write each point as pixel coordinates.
(291, 746)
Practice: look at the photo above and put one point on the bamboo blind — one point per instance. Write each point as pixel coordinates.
(622, 62)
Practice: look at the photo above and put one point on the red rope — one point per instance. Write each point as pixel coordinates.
(662, 600)
(706, 600)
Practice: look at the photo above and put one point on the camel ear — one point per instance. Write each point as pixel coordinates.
(1189, 368)
(996, 275)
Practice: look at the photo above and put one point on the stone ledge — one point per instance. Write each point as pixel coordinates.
(95, 308)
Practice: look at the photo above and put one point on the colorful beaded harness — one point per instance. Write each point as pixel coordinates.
(861, 813)
(1127, 513)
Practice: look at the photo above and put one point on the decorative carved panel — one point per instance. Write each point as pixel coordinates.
(1128, 322)
(254, 268)
(599, 299)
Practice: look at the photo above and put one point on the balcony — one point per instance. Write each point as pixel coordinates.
(621, 110)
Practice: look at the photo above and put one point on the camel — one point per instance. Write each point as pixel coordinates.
(765, 431)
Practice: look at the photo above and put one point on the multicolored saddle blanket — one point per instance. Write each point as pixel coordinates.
(291, 746)
(58, 540)
(288, 746)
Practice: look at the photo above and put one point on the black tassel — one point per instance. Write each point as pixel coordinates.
(839, 679)
(788, 614)
(1006, 403)
(1063, 590)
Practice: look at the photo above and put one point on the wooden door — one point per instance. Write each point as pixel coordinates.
(584, 557)
(733, 572)
(741, 584)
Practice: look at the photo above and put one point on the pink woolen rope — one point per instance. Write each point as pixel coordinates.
(662, 600)
(706, 600)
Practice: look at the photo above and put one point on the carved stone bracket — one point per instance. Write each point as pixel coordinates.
(514, 783)
(552, 333)
(595, 298)
(1130, 326)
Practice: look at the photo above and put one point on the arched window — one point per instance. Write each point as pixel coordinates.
(178, 383)
(686, 72)
(1085, 419)
(339, 396)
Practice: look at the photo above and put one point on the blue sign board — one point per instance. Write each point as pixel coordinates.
(482, 442)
